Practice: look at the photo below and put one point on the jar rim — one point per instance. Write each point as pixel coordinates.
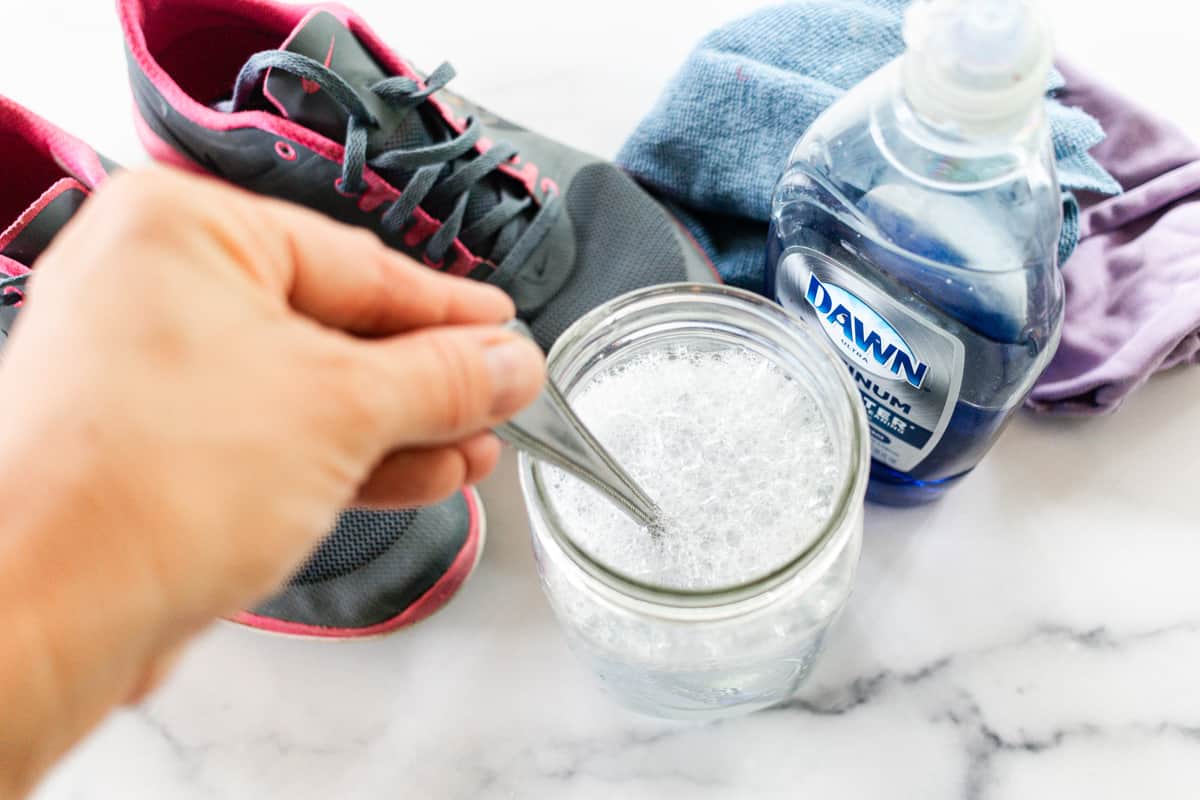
(849, 495)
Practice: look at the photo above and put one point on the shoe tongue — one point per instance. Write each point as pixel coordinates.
(324, 38)
(31, 234)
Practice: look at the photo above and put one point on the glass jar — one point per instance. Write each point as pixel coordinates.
(735, 649)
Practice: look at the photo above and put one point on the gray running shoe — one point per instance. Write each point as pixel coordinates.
(308, 104)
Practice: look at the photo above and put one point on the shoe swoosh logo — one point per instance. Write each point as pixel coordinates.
(312, 87)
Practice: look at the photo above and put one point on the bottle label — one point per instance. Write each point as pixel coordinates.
(907, 369)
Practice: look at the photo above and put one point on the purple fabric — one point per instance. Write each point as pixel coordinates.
(1133, 284)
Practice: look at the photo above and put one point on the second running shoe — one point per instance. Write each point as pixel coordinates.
(377, 571)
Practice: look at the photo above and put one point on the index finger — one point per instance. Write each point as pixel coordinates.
(338, 275)
(347, 278)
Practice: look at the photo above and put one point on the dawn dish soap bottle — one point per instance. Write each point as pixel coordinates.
(917, 225)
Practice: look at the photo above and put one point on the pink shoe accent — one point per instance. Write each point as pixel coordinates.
(72, 155)
(461, 267)
(527, 174)
(12, 269)
(434, 599)
(374, 197)
(420, 231)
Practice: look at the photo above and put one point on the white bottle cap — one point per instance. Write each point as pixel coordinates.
(978, 65)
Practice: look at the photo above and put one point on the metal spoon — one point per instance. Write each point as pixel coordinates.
(550, 431)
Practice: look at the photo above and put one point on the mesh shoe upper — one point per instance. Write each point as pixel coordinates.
(378, 570)
(359, 538)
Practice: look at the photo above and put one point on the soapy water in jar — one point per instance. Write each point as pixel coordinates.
(734, 450)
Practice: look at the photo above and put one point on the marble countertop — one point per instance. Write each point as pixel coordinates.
(1034, 635)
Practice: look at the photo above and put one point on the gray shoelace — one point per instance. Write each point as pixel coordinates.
(427, 165)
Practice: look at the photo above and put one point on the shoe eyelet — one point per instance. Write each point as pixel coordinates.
(285, 151)
(438, 265)
(339, 186)
(12, 296)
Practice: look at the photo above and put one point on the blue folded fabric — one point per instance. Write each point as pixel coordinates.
(719, 137)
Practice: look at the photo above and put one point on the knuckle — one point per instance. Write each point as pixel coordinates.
(462, 387)
(374, 298)
(353, 385)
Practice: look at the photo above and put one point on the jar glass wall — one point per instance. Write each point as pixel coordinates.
(730, 649)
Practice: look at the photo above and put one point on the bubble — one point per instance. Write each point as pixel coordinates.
(735, 452)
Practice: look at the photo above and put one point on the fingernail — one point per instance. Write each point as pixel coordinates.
(514, 366)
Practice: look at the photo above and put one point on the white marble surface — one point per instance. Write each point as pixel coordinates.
(1035, 635)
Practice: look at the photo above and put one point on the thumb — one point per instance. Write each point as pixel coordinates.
(443, 384)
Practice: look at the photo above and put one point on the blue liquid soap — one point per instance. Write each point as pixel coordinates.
(917, 226)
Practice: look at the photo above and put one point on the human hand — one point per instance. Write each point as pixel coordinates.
(200, 382)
